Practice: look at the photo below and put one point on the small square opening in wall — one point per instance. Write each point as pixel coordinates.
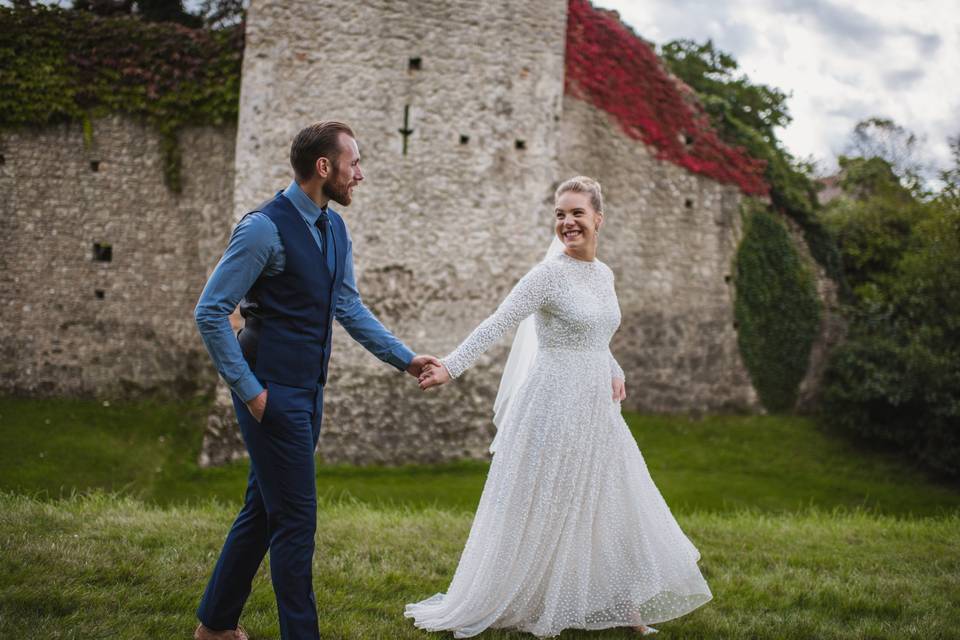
(102, 252)
(95, 166)
(464, 139)
(688, 203)
(415, 64)
(99, 294)
(727, 278)
(3, 159)
(520, 145)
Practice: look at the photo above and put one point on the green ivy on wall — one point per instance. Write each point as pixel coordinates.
(59, 65)
(776, 308)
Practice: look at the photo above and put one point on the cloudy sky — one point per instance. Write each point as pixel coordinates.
(841, 61)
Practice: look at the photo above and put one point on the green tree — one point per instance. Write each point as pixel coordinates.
(872, 223)
(747, 114)
(884, 139)
(727, 94)
(897, 378)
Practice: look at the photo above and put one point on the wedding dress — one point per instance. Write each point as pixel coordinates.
(570, 531)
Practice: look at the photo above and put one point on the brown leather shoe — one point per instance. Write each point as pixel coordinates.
(203, 632)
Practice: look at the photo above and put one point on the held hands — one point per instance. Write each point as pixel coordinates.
(434, 376)
(429, 371)
(418, 364)
(619, 390)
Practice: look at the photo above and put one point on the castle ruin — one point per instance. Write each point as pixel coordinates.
(466, 122)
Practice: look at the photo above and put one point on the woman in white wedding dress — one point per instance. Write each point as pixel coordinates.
(570, 532)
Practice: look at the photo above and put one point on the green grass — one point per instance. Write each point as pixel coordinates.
(108, 529)
(53, 448)
(109, 567)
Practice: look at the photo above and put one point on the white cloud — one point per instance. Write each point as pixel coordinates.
(841, 61)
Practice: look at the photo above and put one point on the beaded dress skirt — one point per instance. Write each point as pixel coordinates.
(571, 531)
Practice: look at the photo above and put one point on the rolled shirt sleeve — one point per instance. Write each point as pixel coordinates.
(252, 250)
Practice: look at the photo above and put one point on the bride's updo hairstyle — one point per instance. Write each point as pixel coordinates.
(583, 184)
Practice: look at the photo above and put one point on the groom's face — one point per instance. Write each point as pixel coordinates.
(345, 172)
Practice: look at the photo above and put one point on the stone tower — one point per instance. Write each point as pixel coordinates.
(465, 130)
(456, 107)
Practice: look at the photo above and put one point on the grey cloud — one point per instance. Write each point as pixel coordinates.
(850, 78)
(848, 27)
(927, 43)
(903, 78)
(851, 28)
(736, 37)
(852, 110)
(712, 20)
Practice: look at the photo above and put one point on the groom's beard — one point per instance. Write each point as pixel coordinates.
(337, 189)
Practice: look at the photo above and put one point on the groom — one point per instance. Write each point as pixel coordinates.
(289, 265)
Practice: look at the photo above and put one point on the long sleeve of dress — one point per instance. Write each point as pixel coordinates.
(529, 294)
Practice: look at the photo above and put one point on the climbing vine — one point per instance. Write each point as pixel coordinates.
(616, 71)
(776, 308)
(59, 65)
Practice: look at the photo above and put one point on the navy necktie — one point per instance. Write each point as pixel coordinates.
(323, 225)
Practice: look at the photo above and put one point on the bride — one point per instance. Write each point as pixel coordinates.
(570, 532)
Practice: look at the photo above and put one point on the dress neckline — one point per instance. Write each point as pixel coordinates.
(578, 260)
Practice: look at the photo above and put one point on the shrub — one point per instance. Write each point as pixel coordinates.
(776, 308)
(897, 379)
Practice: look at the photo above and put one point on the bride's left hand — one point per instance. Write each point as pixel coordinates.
(619, 390)
(433, 376)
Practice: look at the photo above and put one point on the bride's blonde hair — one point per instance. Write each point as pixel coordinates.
(583, 184)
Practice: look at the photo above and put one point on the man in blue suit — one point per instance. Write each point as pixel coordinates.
(289, 266)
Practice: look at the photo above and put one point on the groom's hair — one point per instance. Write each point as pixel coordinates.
(319, 140)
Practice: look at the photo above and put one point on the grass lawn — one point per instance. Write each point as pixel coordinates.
(107, 567)
(717, 464)
(108, 529)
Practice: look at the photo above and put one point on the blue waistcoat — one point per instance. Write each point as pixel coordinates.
(288, 317)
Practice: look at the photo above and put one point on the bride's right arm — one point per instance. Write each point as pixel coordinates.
(530, 293)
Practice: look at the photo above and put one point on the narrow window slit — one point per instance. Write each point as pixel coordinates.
(102, 252)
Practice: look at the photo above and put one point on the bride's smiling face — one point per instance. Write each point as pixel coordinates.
(576, 222)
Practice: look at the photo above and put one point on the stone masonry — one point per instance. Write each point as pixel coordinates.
(75, 323)
(465, 131)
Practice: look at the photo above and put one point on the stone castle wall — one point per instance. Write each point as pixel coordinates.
(670, 237)
(75, 325)
(440, 233)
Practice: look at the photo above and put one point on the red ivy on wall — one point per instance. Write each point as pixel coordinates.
(610, 67)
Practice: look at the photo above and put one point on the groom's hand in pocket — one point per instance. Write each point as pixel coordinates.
(257, 405)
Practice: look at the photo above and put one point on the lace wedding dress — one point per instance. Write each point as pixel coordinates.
(570, 532)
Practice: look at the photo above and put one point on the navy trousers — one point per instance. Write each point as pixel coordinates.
(279, 515)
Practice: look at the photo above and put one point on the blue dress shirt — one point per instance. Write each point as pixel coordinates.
(255, 249)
